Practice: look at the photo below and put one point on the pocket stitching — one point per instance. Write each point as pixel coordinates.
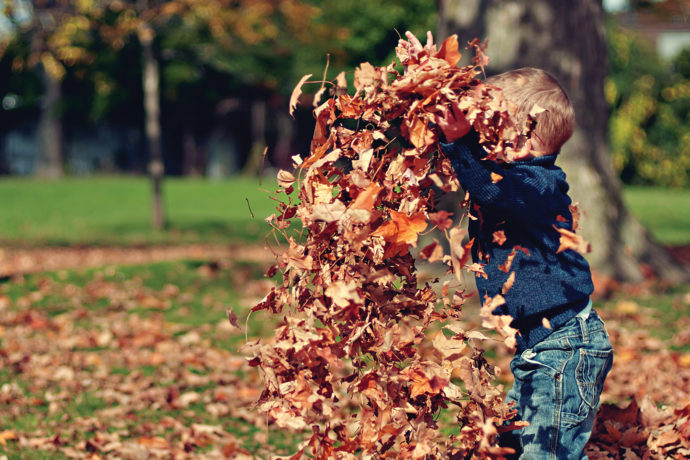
(582, 369)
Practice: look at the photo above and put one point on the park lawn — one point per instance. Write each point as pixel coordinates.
(665, 211)
(115, 210)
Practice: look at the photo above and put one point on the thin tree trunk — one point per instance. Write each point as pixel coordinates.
(191, 154)
(567, 39)
(258, 113)
(50, 126)
(285, 124)
(151, 79)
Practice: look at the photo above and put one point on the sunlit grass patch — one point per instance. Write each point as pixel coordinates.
(117, 210)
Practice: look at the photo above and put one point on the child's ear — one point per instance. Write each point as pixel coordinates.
(526, 151)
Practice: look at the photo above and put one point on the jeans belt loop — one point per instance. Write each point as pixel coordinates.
(583, 328)
(582, 320)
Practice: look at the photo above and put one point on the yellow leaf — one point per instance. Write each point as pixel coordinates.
(52, 66)
(7, 435)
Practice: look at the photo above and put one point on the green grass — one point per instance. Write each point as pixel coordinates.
(117, 210)
(666, 212)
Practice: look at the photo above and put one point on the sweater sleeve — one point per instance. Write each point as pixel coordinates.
(518, 191)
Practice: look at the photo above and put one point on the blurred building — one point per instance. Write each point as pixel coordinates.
(666, 25)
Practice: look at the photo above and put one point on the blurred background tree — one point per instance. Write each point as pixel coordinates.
(48, 36)
(650, 111)
(214, 78)
(200, 88)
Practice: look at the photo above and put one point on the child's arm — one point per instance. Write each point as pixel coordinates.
(520, 192)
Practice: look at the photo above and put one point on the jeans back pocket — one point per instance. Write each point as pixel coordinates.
(591, 372)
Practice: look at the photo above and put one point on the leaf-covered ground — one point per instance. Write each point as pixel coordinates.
(131, 362)
(142, 362)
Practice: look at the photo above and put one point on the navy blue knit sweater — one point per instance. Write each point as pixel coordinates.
(525, 204)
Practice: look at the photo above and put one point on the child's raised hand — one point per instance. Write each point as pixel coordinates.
(414, 47)
(452, 122)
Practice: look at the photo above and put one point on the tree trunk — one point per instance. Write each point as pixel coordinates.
(254, 162)
(191, 164)
(50, 128)
(285, 125)
(567, 39)
(151, 78)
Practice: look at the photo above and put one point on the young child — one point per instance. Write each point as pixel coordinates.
(563, 353)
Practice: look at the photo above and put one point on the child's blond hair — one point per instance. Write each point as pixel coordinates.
(529, 87)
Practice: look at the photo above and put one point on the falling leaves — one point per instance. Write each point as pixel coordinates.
(495, 177)
(296, 93)
(356, 317)
(402, 229)
(571, 240)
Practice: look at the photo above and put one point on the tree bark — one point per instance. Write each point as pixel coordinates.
(255, 160)
(285, 126)
(151, 86)
(50, 127)
(191, 164)
(567, 39)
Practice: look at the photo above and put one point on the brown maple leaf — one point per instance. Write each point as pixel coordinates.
(450, 50)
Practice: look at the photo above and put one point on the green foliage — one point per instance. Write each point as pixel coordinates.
(650, 112)
(368, 31)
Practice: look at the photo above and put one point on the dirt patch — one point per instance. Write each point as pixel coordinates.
(21, 261)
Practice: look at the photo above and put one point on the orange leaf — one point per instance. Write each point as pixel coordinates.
(576, 215)
(7, 435)
(480, 58)
(153, 442)
(505, 267)
(402, 229)
(441, 219)
(432, 253)
(508, 283)
(495, 177)
(571, 240)
(449, 50)
(366, 75)
(285, 178)
(499, 237)
(367, 197)
(296, 93)
(419, 132)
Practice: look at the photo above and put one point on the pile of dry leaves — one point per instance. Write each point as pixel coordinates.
(353, 359)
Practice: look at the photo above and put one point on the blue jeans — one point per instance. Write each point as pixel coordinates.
(557, 387)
